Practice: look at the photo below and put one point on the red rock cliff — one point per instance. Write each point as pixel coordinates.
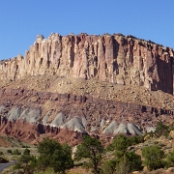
(114, 58)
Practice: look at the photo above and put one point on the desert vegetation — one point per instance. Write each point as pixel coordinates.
(124, 155)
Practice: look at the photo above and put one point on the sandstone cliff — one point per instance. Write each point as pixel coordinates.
(67, 86)
(114, 58)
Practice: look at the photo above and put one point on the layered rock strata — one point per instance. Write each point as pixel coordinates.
(24, 114)
(114, 58)
(67, 86)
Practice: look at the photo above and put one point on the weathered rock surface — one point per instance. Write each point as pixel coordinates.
(120, 59)
(67, 86)
(67, 117)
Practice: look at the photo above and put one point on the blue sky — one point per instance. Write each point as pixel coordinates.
(22, 20)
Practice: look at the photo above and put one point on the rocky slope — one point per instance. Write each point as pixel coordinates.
(67, 86)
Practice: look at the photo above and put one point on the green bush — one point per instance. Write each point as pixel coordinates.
(55, 155)
(134, 161)
(26, 152)
(136, 140)
(153, 157)
(170, 159)
(3, 160)
(161, 129)
(24, 146)
(9, 151)
(26, 162)
(16, 152)
(122, 167)
(109, 167)
(122, 142)
(124, 161)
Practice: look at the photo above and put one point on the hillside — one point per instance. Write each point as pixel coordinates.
(67, 86)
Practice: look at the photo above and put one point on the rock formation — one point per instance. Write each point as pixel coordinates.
(67, 86)
(119, 59)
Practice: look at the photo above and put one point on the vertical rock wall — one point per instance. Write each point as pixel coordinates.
(120, 59)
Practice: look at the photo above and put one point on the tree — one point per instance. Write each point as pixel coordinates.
(153, 156)
(55, 155)
(16, 152)
(125, 161)
(92, 149)
(61, 159)
(122, 166)
(161, 129)
(26, 162)
(109, 167)
(170, 159)
(120, 143)
(134, 161)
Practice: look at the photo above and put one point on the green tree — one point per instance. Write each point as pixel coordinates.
(26, 162)
(26, 152)
(109, 167)
(122, 166)
(125, 161)
(170, 159)
(92, 149)
(134, 161)
(16, 152)
(55, 155)
(161, 129)
(9, 151)
(120, 143)
(153, 157)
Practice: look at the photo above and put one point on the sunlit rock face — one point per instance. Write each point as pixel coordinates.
(68, 86)
(113, 58)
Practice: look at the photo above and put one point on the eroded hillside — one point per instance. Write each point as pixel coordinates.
(102, 85)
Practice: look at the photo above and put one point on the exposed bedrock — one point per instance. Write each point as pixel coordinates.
(67, 86)
(30, 115)
(114, 58)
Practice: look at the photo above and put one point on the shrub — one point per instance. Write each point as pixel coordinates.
(26, 162)
(25, 146)
(134, 161)
(55, 155)
(124, 161)
(161, 129)
(153, 156)
(122, 142)
(3, 160)
(26, 152)
(109, 167)
(16, 152)
(170, 159)
(9, 151)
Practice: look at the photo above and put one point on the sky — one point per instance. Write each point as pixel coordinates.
(22, 20)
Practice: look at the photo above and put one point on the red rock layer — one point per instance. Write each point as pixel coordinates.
(94, 110)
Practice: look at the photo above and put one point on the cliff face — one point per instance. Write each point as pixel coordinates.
(119, 59)
(67, 86)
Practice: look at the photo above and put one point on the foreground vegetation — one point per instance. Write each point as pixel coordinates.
(116, 158)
